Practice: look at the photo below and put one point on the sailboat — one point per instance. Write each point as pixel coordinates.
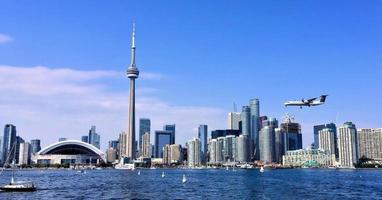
(162, 174)
(139, 172)
(262, 169)
(184, 178)
(16, 186)
(226, 168)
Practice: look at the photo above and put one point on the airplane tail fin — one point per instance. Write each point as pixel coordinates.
(323, 98)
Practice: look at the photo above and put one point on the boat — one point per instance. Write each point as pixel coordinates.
(226, 168)
(262, 169)
(163, 175)
(129, 166)
(139, 172)
(16, 186)
(153, 167)
(184, 178)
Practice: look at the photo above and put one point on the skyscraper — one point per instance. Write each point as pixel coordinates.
(94, 137)
(132, 74)
(25, 152)
(161, 139)
(146, 145)
(193, 153)
(326, 140)
(245, 118)
(266, 144)
(113, 144)
(280, 144)
(36, 146)
(347, 145)
(229, 148)
(317, 128)
(202, 135)
(242, 148)
(19, 140)
(233, 120)
(144, 127)
(9, 139)
(85, 138)
(293, 136)
(255, 114)
(370, 143)
(171, 128)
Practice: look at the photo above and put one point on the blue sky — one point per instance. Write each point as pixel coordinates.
(199, 57)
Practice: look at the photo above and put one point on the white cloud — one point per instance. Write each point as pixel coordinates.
(49, 103)
(5, 38)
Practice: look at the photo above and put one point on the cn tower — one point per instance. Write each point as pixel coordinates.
(132, 74)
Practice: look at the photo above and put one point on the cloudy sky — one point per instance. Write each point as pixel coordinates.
(62, 63)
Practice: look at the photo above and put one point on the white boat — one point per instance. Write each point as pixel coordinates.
(184, 178)
(226, 168)
(16, 186)
(163, 175)
(128, 166)
(153, 168)
(262, 169)
(139, 172)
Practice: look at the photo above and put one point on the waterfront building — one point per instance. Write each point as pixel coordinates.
(242, 148)
(171, 128)
(113, 144)
(316, 130)
(267, 144)
(245, 117)
(233, 120)
(144, 127)
(132, 74)
(308, 158)
(161, 139)
(69, 152)
(229, 150)
(280, 144)
(94, 137)
(111, 155)
(370, 143)
(172, 154)
(36, 145)
(25, 152)
(19, 140)
(347, 145)
(326, 140)
(222, 133)
(85, 138)
(293, 136)
(202, 135)
(212, 151)
(122, 142)
(8, 141)
(146, 145)
(193, 153)
(254, 106)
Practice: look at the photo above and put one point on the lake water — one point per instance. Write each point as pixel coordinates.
(201, 184)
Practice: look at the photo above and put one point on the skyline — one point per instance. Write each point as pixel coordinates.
(75, 90)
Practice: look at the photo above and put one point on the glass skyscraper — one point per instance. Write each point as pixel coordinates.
(171, 128)
(36, 146)
(94, 137)
(144, 127)
(85, 138)
(254, 106)
(161, 139)
(8, 141)
(317, 128)
(202, 135)
(19, 140)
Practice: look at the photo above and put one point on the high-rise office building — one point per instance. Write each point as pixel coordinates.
(267, 144)
(229, 150)
(193, 153)
(347, 145)
(280, 145)
(242, 148)
(36, 145)
(202, 135)
(326, 140)
(94, 137)
(293, 136)
(85, 138)
(370, 143)
(146, 146)
(161, 139)
(25, 152)
(19, 140)
(245, 117)
(111, 155)
(222, 133)
(122, 142)
(132, 74)
(172, 154)
(254, 105)
(317, 128)
(233, 120)
(113, 144)
(144, 127)
(9, 142)
(212, 151)
(171, 128)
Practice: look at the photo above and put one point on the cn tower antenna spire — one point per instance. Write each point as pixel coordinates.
(133, 48)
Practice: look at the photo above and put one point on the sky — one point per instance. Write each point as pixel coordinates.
(63, 63)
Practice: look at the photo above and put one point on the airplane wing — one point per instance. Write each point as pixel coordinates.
(311, 100)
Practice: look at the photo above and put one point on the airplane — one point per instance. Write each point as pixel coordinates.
(310, 102)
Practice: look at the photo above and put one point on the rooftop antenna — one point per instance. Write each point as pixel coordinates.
(234, 107)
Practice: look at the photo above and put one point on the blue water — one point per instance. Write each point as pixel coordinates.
(201, 184)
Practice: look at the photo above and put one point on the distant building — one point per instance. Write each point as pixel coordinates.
(171, 128)
(370, 143)
(85, 138)
(316, 130)
(308, 158)
(326, 140)
(233, 120)
(111, 155)
(293, 136)
(193, 153)
(146, 145)
(347, 145)
(122, 141)
(280, 145)
(212, 149)
(245, 117)
(113, 144)
(254, 105)
(267, 144)
(229, 150)
(242, 148)
(144, 127)
(202, 135)
(19, 140)
(36, 145)
(94, 137)
(222, 133)
(25, 153)
(8, 142)
(161, 139)
(172, 154)
(62, 139)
